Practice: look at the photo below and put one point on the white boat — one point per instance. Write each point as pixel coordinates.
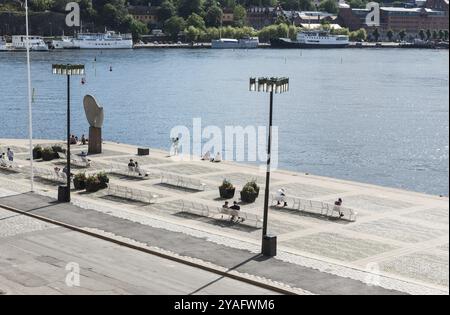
(3, 46)
(108, 40)
(312, 39)
(36, 43)
(230, 43)
(64, 43)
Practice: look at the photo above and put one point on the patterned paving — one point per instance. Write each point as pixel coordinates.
(339, 247)
(306, 191)
(423, 266)
(439, 215)
(189, 169)
(143, 160)
(400, 231)
(374, 203)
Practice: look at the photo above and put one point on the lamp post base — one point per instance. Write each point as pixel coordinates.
(63, 194)
(269, 245)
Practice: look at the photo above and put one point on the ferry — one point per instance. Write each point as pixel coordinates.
(65, 42)
(107, 40)
(3, 46)
(229, 43)
(36, 43)
(312, 39)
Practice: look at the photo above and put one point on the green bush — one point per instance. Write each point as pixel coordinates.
(227, 190)
(250, 192)
(37, 152)
(48, 154)
(93, 184)
(79, 181)
(103, 179)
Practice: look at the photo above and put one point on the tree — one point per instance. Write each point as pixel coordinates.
(329, 6)
(240, 15)
(166, 10)
(214, 16)
(41, 5)
(196, 21)
(299, 5)
(445, 34)
(357, 4)
(376, 34)
(422, 34)
(441, 34)
(359, 35)
(402, 35)
(137, 28)
(192, 33)
(428, 33)
(187, 7)
(390, 35)
(174, 25)
(435, 35)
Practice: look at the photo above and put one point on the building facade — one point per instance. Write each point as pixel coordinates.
(146, 14)
(259, 17)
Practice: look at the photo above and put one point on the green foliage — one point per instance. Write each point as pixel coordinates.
(376, 34)
(37, 152)
(196, 21)
(187, 7)
(226, 185)
(402, 34)
(92, 184)
(103, 179)
(240, 15)
(422, 34)
(166, 10)
(214, 16)
(329, 6)
(359, 35)
(276, 31)
(174, 26)
(390, 35)
(48, 154)
(79, 181)
(298, 5)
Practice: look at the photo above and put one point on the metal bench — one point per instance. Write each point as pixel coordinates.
(131, 193)
(182, 181)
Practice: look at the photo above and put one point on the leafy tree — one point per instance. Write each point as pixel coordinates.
(445, 34)
(422, 34)
(435, 35)
(428, 33)
(357, 4)
(196, 21)
(402, 35)
(441, 34)
(174, 25)
(329, 6)
(376, 34)
(213, 16)
(137, 28)
(192, 33)
(359, 35)
(299, 5)
(41, 5)
(390, 35)
(240, 15)
(187, 7)
(166, 10)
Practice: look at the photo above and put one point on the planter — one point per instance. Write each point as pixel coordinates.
(37, 153)
(92, 186)
(249, 196)
(48, 154)
(227, 193)
(79, 184)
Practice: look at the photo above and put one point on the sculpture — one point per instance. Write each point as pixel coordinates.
(95, 117)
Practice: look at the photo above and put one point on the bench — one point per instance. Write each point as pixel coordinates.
(76, 160)
(317, 207)
(129, 171)
(215, 212)
(132, 193)
(182, 181)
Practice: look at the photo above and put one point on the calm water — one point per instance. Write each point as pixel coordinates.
(376, 116)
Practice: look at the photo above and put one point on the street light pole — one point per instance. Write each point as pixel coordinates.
(271, 85)
(67, 70)
(30, 110)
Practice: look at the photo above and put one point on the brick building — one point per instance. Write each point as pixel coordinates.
(145, 14)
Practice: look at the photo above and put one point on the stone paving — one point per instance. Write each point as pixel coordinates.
(404, 234)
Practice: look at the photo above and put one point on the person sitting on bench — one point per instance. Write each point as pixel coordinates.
(131, 166)
(206, 156)
(337, 207)
(138, 170)
(236, 207)
(281, 197)
(218, 158)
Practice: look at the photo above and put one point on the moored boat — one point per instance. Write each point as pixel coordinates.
(312, 39)
(230, 43)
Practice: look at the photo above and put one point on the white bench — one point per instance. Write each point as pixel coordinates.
(182, 181)
(129, 171)
(317, 207)
(76, 160)
(132, 193)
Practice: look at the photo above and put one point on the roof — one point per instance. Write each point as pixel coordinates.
(316, 26)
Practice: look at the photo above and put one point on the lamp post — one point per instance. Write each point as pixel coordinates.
(269, 85)
(30, 110)
(67, 70)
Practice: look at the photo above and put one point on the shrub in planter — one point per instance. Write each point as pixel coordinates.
(103, 179)
(227, 190)
(57, 149)
(48, 154)
(79, 181)
(250, 192)
(92, 184)
(37, 152)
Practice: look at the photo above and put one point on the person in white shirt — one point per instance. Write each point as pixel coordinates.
(281, 197)
(218, 158)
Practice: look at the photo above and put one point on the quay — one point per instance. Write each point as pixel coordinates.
(397, 244)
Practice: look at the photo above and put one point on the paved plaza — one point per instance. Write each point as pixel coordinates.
(398, 243)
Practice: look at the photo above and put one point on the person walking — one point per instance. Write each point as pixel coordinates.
(10, 155)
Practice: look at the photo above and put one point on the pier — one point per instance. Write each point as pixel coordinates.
(399, 240)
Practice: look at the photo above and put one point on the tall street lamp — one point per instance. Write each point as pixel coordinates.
(67, 70)
(269, 85)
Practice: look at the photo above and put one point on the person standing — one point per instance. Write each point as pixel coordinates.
(10, 155)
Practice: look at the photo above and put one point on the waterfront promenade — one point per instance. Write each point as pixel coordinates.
(398, 243)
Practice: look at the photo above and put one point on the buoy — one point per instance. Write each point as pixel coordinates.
(83, 80)
(110, 68)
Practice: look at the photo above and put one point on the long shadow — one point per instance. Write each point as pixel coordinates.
(305, 214)
(258, 257)
(48, 205)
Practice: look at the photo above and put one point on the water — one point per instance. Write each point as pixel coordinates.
(375, 116)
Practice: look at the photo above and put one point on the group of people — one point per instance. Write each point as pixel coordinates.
(74, 140)
(134, 166)
(9, 155)
(236, 207)
(216, 159)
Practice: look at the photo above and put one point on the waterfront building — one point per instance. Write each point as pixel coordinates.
(259, 17)
(433, 16)
(312, 17)
(146, 14)
(228, 16)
